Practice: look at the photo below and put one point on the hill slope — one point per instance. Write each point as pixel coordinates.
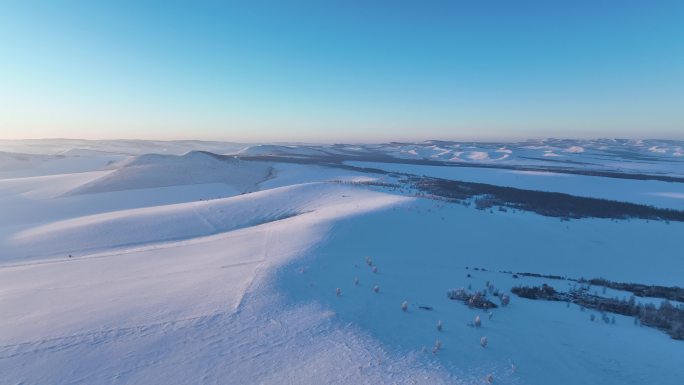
(152, 170)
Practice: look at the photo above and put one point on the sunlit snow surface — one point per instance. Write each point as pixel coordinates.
(134, 262)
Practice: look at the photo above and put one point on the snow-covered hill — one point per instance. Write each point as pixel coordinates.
(280, 150)
(126, 147)
(194, 267)
(609, 154)
(150, 171)
(151, 225)
(18, 165)
(664, 157)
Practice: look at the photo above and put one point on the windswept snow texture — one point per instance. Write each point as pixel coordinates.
(136, 262)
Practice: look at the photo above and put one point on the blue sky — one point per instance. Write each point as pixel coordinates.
(342, 70)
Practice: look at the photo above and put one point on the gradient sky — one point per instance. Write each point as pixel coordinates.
(342, 70)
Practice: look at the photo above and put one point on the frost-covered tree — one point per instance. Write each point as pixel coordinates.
(439, 325)
(376, 288)
(338, 291)
(356, 281)
(438, 345)
(483, 341)
(478, 321)
(404, 306)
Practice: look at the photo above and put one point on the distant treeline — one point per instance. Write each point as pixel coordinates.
(667, 317)
(336, 160)
(551, 204)
(673, 293)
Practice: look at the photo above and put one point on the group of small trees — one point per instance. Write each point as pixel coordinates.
(477, 299)
(667, 317)
(536, 292)
(673, 293)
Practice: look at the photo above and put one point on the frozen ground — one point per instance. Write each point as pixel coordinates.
(132, 262)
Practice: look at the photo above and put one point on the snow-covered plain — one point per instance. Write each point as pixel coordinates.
(151, 263)
(647, 192)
